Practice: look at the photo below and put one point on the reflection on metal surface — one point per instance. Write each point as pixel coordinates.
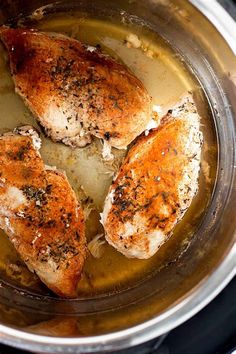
(220, 19)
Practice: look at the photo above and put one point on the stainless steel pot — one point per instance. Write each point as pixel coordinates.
(165, 300)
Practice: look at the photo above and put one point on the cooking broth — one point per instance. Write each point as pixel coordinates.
(166, 78)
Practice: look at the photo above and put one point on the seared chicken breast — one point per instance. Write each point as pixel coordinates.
(155, 184)
(74, 90)
(40, 214)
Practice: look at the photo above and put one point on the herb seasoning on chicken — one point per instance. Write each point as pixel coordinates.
(40, 214)
(75, 92)
(155, 184)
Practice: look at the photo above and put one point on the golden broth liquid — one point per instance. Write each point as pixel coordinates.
(166, 77)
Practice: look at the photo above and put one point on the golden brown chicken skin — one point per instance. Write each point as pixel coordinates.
(41, 215)
(155, 185)
(74, 91)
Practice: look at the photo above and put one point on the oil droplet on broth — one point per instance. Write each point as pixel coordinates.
(166, 78)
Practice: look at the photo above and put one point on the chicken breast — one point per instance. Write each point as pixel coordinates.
(74, 90)
(155, 184)
(40, 214)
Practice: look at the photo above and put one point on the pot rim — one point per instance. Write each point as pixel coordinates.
(199, 297)
(187, 307)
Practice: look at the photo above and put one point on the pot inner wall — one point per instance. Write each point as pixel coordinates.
(132, 291)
